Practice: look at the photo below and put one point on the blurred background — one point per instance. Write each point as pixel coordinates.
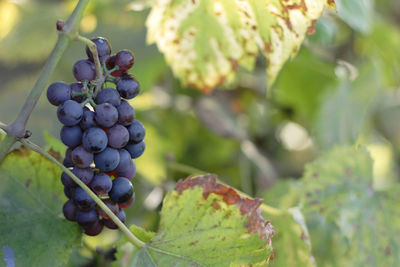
(342, 88)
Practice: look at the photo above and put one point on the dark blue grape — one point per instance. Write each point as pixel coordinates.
(107, 160)
(88, 217)
(69, 210)
(82, 200)
(101, 184)
(128, 87)
(67, 159)
(124, 59)
(94, 140)
(84, 70)
(136, 131)
(77, 88)
(118, 136)
(70, 113)
(127, 203)
(121, 191)
(111, 224)
(69, 191)
(129, 172)
(88, 120)
(81, 157)
(84, 174)
(109, 95)
(103, 49)
(93, 229)
(111, 205)
(136, 150)
(71, 136)
(58, 93)
(66, 180)
(124, 160)
(106, 115)
(126, 113)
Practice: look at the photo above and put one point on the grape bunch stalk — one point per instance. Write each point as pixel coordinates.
(102, 135)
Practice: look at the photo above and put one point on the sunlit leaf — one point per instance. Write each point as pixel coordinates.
(205, 41)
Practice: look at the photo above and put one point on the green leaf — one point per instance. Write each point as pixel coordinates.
(204, 223)
(205, 41)
(338, 187)
(32, 229)
(358, 14)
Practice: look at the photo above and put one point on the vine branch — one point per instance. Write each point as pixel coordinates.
(134, 240)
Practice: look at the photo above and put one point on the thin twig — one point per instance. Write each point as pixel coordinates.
(134, 240)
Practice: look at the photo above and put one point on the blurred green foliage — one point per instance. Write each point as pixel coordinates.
(341, 89)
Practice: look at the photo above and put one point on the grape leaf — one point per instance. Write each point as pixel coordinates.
(204, 223)
(338, 186)
(33, 231)
(205, 41)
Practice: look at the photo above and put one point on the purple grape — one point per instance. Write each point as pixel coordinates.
(136, 131)
(69, 191)
(81, 157)
(71, 136)
(66, 180)
(127, 203)
(111, 224)
(84, 174)
(94, 140)
(103, 49)
(93, 229)
(88, 217)
(67, 159)
(124, 59)
(109, 95)
(101, 184)
(88, 120)
(128, 87)
(124, 160)
(83, 201)
(70, 113)
(84, 70)
(77, 88)
(118, 136)
(107, 160)
(111, 205)
(106, 115)
(126, 113)
(121, 191)
(130, 172)
(58, 93)
(136, 150)
(69, 210)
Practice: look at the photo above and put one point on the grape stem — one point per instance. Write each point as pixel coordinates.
(66, 33)
(133, 239)
(100, 78)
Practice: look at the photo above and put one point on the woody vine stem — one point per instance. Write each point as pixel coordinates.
(16, 131)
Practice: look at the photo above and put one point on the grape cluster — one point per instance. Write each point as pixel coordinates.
(102, 135)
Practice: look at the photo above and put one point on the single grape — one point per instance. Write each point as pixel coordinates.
(94, 140)
(69, 210)
(81, 157)
(124, 59)
(121, 191)
(88, 120)
(66, 180)
(136, 131)
(128, 87)
(82, 200)
(107, 160)
(111, 205)
(77, 88)
(69, 113)
(84, 174)
(136, 150)
(101, 184)
(84, 70)
(127, 203)
(87, 218)
(124, 160)
(109, 95)
(106, 115)
(118, 136)
(71, 136)
(111, 224)
(93, 229)
(67, 159)
(126, 113)
(103, 49)
(69, 191)
(58, 93)
(130, 172)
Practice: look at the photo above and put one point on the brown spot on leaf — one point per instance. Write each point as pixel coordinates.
(247, 206)
(215, 205)
(55, 154)
(193, 243)
(28, 182)
(311, 30)
(388, 251)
